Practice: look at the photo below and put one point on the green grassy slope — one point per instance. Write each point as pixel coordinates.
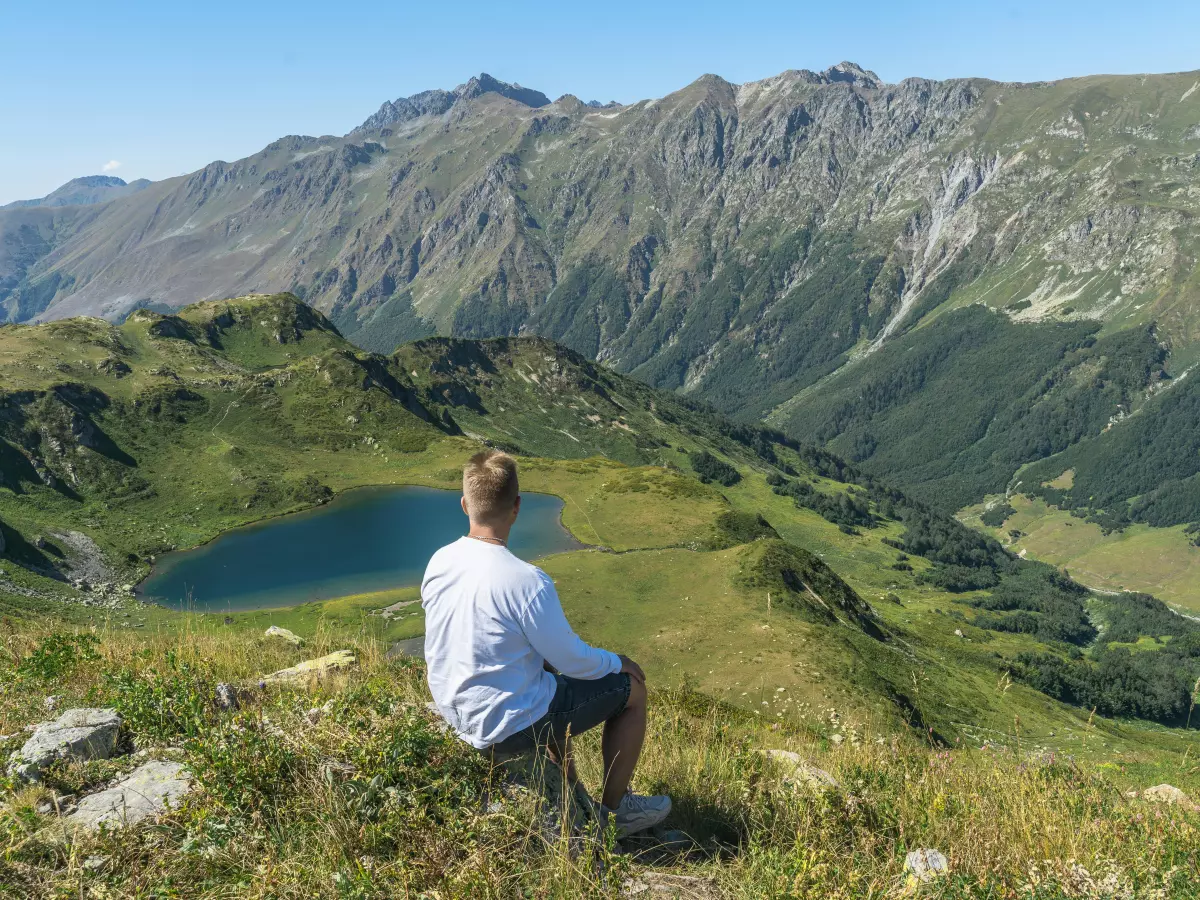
(761, 623)
(347, 787)
(163, 431)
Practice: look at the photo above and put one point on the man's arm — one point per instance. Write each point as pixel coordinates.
(546, 627)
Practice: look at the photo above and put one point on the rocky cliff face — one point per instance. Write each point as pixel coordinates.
(741, 241)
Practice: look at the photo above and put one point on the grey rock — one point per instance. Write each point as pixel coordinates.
(64, 804)
(147, 791)
(438, 720)
(1168, 793)
(227, 697)
(926, 865)
(410, 648)
(334, 769)
(317, 713)
(314, 668)
(675, 841)
(534, 777)
(801, 771)
(651, 885)
(79, 734)
(290, 637)
(51, 702)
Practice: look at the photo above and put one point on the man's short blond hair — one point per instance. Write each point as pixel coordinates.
(490, 485)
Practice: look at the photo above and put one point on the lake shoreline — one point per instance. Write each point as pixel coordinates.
(356, 544)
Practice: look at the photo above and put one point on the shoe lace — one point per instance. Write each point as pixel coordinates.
(634, 802)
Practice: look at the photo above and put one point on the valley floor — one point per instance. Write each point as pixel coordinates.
(1159, 561)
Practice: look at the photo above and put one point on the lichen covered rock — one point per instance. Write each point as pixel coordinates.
(79, 734)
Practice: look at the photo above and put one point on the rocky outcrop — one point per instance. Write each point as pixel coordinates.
(800, 771)
(78, 734)
(670, 886)
(921, 172)
(314, 668)
(1169, 794)
(283, 634)
(149, 790)
(437, 102)
(229, 697)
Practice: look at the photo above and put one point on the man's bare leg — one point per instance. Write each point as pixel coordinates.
(624, 734)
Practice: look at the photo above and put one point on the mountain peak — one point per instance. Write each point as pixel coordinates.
(486, 84)
(95, 181)
(85, 190)
(438, 101)
(852, 73)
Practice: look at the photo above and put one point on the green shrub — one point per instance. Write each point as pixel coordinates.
(710, 469)
(997, 515)
(243, 764)
(58, 654)
(164, 703)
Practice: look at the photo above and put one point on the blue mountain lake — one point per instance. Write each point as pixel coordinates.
(368, 539)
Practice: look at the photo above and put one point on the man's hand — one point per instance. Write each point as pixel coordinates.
(632, 669)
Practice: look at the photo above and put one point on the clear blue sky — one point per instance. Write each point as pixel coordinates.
(163, 88)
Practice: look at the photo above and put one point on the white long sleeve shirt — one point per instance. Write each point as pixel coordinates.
(491, 620)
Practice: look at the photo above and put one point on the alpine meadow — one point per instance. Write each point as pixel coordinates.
(872, 413)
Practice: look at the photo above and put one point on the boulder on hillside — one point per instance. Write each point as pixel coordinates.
(801, 771)
(290, 637)
(146, 791)
(79, 734)
(1167, 793)
(314, 668)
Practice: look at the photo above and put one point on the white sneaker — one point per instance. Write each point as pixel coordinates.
(637, 812)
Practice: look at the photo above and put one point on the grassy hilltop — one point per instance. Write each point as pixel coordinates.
(776, 596)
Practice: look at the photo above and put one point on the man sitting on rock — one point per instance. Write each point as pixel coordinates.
(505, 668)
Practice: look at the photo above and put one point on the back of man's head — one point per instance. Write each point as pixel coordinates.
(490, 486)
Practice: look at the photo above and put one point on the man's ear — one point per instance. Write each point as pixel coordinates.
(517, 506)
(462, 501)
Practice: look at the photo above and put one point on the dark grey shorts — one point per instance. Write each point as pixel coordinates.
(578, 706)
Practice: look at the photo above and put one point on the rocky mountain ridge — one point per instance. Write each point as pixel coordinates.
(436, 102)
(741, 242)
